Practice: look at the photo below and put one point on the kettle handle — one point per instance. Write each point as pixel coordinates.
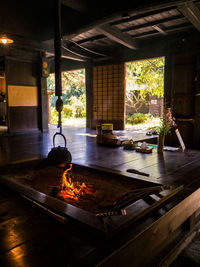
(62, 136)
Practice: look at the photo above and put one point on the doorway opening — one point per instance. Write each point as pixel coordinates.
(74, 98)
(144, 100)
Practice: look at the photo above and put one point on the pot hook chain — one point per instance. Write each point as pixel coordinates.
(59, 108)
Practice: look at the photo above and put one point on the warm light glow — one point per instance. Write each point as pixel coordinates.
(73, 190)
(5, 40)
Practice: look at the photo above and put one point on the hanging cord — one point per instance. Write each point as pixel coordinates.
(59, 108)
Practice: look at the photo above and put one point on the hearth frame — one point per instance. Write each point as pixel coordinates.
(106, 226)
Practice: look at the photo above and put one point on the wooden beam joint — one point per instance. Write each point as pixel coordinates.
(192, 13)
(114, 34)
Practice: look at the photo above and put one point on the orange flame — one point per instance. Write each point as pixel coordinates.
(72, 190)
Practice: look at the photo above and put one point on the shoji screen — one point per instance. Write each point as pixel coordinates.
(108, 95)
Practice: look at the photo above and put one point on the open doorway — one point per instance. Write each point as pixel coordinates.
(144, 94)
(74, 98)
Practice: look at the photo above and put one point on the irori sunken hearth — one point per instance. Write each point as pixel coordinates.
(81, 192)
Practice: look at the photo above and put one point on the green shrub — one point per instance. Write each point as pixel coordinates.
(84, 113)
(67, 111)
(137, 118)
(79, 106)
(54, 116)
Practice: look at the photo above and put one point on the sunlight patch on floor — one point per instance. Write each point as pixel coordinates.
(87, 134)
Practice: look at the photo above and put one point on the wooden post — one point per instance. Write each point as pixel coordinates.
(168, 80)
(44, 104)
(197, 105)
(189, 223)
(49, 107)
(57, 47)
(89, 95)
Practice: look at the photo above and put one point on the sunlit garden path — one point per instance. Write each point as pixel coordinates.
(144, 127)
(79, 122)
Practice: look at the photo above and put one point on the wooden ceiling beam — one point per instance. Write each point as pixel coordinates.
(192, 13)
(172, 29)
(137, 27)
(50, 53)
(141, 16)
(140, 11)
(65, 53)
(114, 34)
(153, 23)
(89, 50)
(75, 53)
(159, 29)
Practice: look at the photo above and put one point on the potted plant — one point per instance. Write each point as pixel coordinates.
(167, 122)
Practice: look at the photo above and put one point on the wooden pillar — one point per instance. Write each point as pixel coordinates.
(57, 47)
(43, 105)
(197, 104)
(49, 106)
(89, 95)
(168, 80)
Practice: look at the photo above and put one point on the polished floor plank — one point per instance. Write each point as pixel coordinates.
(30, 238)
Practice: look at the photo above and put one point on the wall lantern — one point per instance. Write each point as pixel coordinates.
(5, 40)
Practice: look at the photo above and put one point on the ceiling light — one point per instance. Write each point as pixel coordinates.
(5, 40)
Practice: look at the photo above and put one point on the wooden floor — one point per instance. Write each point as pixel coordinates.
(30, 238)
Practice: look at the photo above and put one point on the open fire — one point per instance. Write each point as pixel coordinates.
(82, 193)
(96, 191)
(74, 189)
(79, 191)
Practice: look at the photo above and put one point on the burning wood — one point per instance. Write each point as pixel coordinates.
(75, 190)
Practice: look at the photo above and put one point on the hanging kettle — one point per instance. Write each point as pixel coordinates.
(59, 156)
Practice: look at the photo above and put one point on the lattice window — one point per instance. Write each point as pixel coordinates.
(108, 94)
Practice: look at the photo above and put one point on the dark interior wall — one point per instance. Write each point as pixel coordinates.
(21, 72)
(185, 98)
(20, 116)
(68, 65)
(23, 68)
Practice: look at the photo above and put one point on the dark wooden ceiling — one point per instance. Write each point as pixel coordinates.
(95, 30)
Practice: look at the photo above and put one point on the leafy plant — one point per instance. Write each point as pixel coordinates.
(54, 116)
(67, 111)
(78, 105)
(73, 84)
(137, 118)
(73, 94)
(144, 78)
(166, 123)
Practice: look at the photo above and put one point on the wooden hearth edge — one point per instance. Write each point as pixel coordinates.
(46, 210)
(144, 247)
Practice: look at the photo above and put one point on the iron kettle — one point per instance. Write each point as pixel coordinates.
(59, 156)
